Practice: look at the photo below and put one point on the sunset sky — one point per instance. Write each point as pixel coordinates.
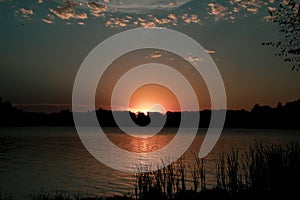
(43, 44)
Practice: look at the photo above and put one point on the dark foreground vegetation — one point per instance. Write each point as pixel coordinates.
(261, 172)
(260, 117)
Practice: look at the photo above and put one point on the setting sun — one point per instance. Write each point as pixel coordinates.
(153, 98)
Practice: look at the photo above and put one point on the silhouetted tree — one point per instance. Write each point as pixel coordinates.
(279, 106)
(261, 116)
(287, 16)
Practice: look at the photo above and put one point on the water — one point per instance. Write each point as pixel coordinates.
(54, 159)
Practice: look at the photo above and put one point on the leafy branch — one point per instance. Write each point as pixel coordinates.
(287, 16)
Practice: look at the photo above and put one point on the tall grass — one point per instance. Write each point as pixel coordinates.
(165, 183)
(4, 196)
(262, 169)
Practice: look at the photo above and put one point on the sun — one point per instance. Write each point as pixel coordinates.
(146, 110)
(153, 98)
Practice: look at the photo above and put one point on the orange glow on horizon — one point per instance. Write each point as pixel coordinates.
(153, 98)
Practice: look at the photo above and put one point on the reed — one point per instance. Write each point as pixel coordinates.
(262, 169)
(4, 196)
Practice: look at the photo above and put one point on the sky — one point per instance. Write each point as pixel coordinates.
(43, 44)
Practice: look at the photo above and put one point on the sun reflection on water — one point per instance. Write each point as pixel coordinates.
(141, 144)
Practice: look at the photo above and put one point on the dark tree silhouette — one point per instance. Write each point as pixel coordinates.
(260, 117)
(287, 16)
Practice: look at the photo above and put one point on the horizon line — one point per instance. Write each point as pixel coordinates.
(57, 107)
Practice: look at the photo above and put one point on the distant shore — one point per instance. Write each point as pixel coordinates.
(260, 117)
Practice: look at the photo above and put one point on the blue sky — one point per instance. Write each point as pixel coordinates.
(44, 42)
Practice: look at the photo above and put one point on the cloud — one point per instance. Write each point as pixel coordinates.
(173, 4)
(234, 9)
(252, 10)
(113, 12)
(164, 13)
(116, 22)
(187, 19)
(47, 21)
(267, 18)
(152, 21)
(271, 8)
(161, 21)
(137, 6)
(68, 11)
(251, 6)
(210, 51)
(96, 9)
(25, 12)
(154, 55)
(172, 17)
(217, 10)
(148, 24)
(193, 59)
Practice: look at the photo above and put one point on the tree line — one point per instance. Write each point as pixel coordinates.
(259, 117)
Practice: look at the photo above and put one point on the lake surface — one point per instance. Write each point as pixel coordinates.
(54, 158)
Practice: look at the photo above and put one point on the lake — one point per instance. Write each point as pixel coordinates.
(54, 159)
